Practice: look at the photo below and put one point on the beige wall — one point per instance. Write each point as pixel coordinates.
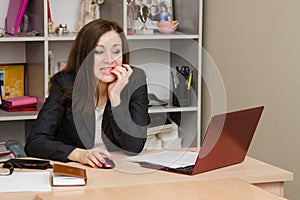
(256, 46)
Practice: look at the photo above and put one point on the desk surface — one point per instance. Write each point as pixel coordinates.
(226, 189)
(127, 173)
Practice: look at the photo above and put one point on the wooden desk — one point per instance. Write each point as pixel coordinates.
(226, 189)
(253, 171)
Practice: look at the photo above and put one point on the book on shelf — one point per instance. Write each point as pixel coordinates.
(15, 13)
(12, 80)
(64, 175)
(20, 101)
(160, 124)
(5, 153)
(17, 104)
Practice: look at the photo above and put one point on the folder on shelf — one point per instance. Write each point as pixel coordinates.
(19, 109)
(15, 13)
(20, 101)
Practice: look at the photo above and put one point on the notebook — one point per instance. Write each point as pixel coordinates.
(226, 142)
(15, 13)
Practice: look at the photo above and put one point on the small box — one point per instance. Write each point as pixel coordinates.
(12, 80)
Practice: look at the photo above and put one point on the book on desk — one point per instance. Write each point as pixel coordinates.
(64, 175)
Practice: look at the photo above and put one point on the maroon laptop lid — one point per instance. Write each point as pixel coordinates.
(227, 139)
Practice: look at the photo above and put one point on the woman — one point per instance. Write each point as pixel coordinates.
(154, 14)
(164, 14)
(97, 103)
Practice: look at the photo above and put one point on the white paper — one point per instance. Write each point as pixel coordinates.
(172, 159)
(67, 180)
(25, 182)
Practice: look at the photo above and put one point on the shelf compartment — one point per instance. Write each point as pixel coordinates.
(14, 116)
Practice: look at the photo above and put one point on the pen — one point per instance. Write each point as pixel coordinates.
(174, 80)
(190, 80)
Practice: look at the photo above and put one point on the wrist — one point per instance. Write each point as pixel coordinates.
(115, 102)
(75, 154)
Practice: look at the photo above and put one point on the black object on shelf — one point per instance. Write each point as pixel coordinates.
(182, 81)
(155, 101)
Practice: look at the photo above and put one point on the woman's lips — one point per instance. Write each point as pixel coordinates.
(106, 69)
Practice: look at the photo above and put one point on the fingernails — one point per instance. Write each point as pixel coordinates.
(102, 160)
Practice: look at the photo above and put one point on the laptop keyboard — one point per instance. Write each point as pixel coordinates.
(186, 169)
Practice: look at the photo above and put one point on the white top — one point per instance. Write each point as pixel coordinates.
(99, 116)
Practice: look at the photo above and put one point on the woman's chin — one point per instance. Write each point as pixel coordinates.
(108, 78)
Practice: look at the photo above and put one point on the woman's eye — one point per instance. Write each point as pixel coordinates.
(98, 52)
(116, 51)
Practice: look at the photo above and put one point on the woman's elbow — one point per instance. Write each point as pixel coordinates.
(136, 148)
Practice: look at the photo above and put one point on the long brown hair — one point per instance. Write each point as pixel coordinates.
(81, 59)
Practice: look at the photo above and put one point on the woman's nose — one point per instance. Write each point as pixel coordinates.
(109, 58)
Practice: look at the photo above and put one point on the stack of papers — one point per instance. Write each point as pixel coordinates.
(26, 182)
(172, 159)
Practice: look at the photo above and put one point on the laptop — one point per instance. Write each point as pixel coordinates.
(226, 143)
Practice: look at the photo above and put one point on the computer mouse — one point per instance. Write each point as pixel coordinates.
(109, 164)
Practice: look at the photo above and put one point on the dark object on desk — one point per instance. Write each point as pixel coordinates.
(109, 164)
(29, 163)
(6, 169)
(155, 101)
(226, 142)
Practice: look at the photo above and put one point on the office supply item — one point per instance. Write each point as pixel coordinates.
(155, 101)
(181, 95)
(6, 170)
(109, 164)
(4, 152)
(22, 103)
(64, 175)
(12, 77)
(162, 132)
(29, 163)
(6, 155)
(13, 146)
(226, 142)
(25, 182)
(15, 13)
(190, 80)
(19, 108)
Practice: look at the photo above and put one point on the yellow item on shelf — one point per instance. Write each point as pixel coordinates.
(12, 80)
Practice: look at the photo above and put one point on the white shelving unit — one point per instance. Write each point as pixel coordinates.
(157, 54)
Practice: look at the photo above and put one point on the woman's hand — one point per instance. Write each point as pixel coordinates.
(115, 88)
(93, 157)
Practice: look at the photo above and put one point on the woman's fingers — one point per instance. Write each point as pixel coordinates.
(96, 157)
(123, 70)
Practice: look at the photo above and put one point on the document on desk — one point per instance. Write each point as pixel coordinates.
(172, 159)
(26, 182)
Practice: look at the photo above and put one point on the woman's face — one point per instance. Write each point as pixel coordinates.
(108, 54)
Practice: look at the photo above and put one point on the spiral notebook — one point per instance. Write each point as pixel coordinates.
(15, 13)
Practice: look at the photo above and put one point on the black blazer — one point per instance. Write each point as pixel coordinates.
(58, 130)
